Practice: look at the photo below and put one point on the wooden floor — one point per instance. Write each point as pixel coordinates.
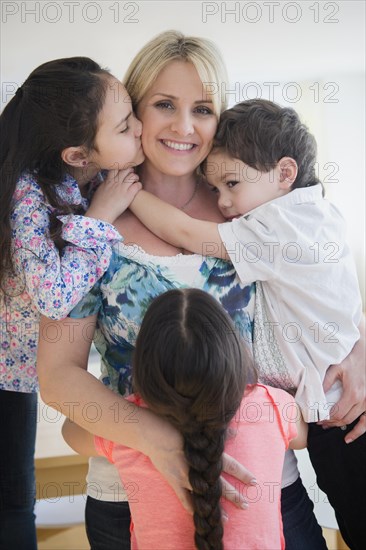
(75, 539)
(63, 539)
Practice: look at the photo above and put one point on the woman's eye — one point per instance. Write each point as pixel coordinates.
(231, 183)
(202, 110)
(213, 189)
(125, 130)
(164, 105)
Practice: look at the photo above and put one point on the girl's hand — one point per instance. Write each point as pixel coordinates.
(352, 373)
(114, 195)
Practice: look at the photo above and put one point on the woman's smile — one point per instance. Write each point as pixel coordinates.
(178, 145)
(178, 120)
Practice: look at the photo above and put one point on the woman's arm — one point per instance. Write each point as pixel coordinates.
(177, 228)
(352, 373)
(66, 386)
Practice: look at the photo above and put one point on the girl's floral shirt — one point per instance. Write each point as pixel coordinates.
(132, 280)
(45, 281)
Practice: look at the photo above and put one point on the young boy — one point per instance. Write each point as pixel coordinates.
(283, 234)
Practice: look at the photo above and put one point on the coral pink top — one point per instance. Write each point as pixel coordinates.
(259, 435)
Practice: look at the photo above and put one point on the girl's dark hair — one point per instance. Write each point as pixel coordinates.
(56, 107)
(259, 133)
(190, 367)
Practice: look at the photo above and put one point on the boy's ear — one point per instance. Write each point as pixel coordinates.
(75, 156)
(287, 167)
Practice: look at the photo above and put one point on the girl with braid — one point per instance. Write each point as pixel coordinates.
(191, 368)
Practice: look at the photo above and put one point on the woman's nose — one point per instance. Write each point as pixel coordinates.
(183, 124)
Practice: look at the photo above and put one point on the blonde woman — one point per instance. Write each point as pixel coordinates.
(175, 86)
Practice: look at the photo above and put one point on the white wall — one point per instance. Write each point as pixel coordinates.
(312, 49)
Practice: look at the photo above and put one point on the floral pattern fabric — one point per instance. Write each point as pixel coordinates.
(45, 282)
(122, 296)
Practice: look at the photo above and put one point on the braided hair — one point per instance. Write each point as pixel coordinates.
(190, 367)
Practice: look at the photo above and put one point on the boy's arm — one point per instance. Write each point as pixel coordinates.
(175, 227)
(352, 373)
(78, 438)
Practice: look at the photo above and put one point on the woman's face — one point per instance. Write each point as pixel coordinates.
(178, 122)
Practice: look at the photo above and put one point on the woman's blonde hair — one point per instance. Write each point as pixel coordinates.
(172, 46)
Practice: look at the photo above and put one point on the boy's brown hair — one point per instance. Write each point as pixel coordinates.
(259, 133)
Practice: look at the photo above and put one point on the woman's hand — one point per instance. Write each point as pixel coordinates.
(237, 470)
(163, 444)
(352, 373)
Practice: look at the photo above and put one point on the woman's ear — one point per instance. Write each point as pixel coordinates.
(287, 167)
(75, 156)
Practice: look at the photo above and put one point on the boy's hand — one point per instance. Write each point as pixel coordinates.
(114, 195)
(352, 373)
(353, 401)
